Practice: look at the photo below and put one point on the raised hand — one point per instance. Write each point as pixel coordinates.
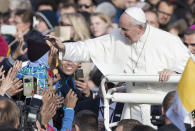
(19, 50)
(59, 100)
(47, 113)
(83, 86)
(15, 89)
(71, 99)
(7, 82)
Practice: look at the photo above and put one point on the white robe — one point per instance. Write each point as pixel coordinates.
(161, 50)
(154, 51)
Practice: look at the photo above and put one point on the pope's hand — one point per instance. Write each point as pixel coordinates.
(56, 42)
(165, 74)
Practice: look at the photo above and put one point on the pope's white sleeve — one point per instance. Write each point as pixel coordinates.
(75, 51)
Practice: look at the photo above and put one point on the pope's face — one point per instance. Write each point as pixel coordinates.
(68, 67)
(189, 41)
(131, 32)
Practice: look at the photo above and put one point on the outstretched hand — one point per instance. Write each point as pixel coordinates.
(56, 42)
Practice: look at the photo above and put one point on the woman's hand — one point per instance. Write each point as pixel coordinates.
(83, 86)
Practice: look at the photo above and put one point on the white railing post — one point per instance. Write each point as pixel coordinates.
(119, 97)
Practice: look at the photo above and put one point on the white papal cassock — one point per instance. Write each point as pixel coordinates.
(154, 51)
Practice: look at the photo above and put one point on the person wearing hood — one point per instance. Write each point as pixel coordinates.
(47, 20)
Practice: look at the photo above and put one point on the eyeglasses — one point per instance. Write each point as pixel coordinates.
(162, 12)
(85, 5)
(64, 24)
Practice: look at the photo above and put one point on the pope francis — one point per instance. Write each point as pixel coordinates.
(134, 48)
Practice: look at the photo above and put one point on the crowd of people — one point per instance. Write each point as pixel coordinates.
(68, 46)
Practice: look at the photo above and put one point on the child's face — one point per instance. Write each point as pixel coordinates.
(68, 67)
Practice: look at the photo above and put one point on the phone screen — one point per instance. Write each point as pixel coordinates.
(79, 74)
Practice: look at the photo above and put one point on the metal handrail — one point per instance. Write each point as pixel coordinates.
(127, 78)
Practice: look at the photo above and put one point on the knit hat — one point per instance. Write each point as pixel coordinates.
(3, 47)
(49, 17)
(36, 49)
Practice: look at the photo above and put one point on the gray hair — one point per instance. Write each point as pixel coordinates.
(136, 23)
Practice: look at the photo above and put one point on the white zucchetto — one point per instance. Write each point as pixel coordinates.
(136, 13)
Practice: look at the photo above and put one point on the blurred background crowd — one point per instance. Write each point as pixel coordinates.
(24, 51)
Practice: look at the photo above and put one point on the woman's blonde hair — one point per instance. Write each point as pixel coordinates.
(103, 17)
(79, 25)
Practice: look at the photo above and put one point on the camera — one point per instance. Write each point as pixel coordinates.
(30, 113)
(156, 115)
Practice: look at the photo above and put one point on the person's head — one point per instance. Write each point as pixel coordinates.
(3, 49)
(20, 5)
(177, 27)
(142, 128)
(127, 124)
(98, 24)
(68, 9)
(167, 102)
(47, 20)
(15, 5)
(119, 3)
(106, 8)
(133, 24)
(9, 113)
(165, 10)
(24, 20)
(86, 5)
(152, 18)
(154, 2)
(85, 120)
(68, 67)
(79, 29)
(45, 5)
(131, 3)
(189, 38)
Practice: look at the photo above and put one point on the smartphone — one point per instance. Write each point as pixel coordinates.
(63, 33)
(78, 74)
(8, 29)
(30, 85)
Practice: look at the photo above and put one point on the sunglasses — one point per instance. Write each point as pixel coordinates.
(85, 5)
